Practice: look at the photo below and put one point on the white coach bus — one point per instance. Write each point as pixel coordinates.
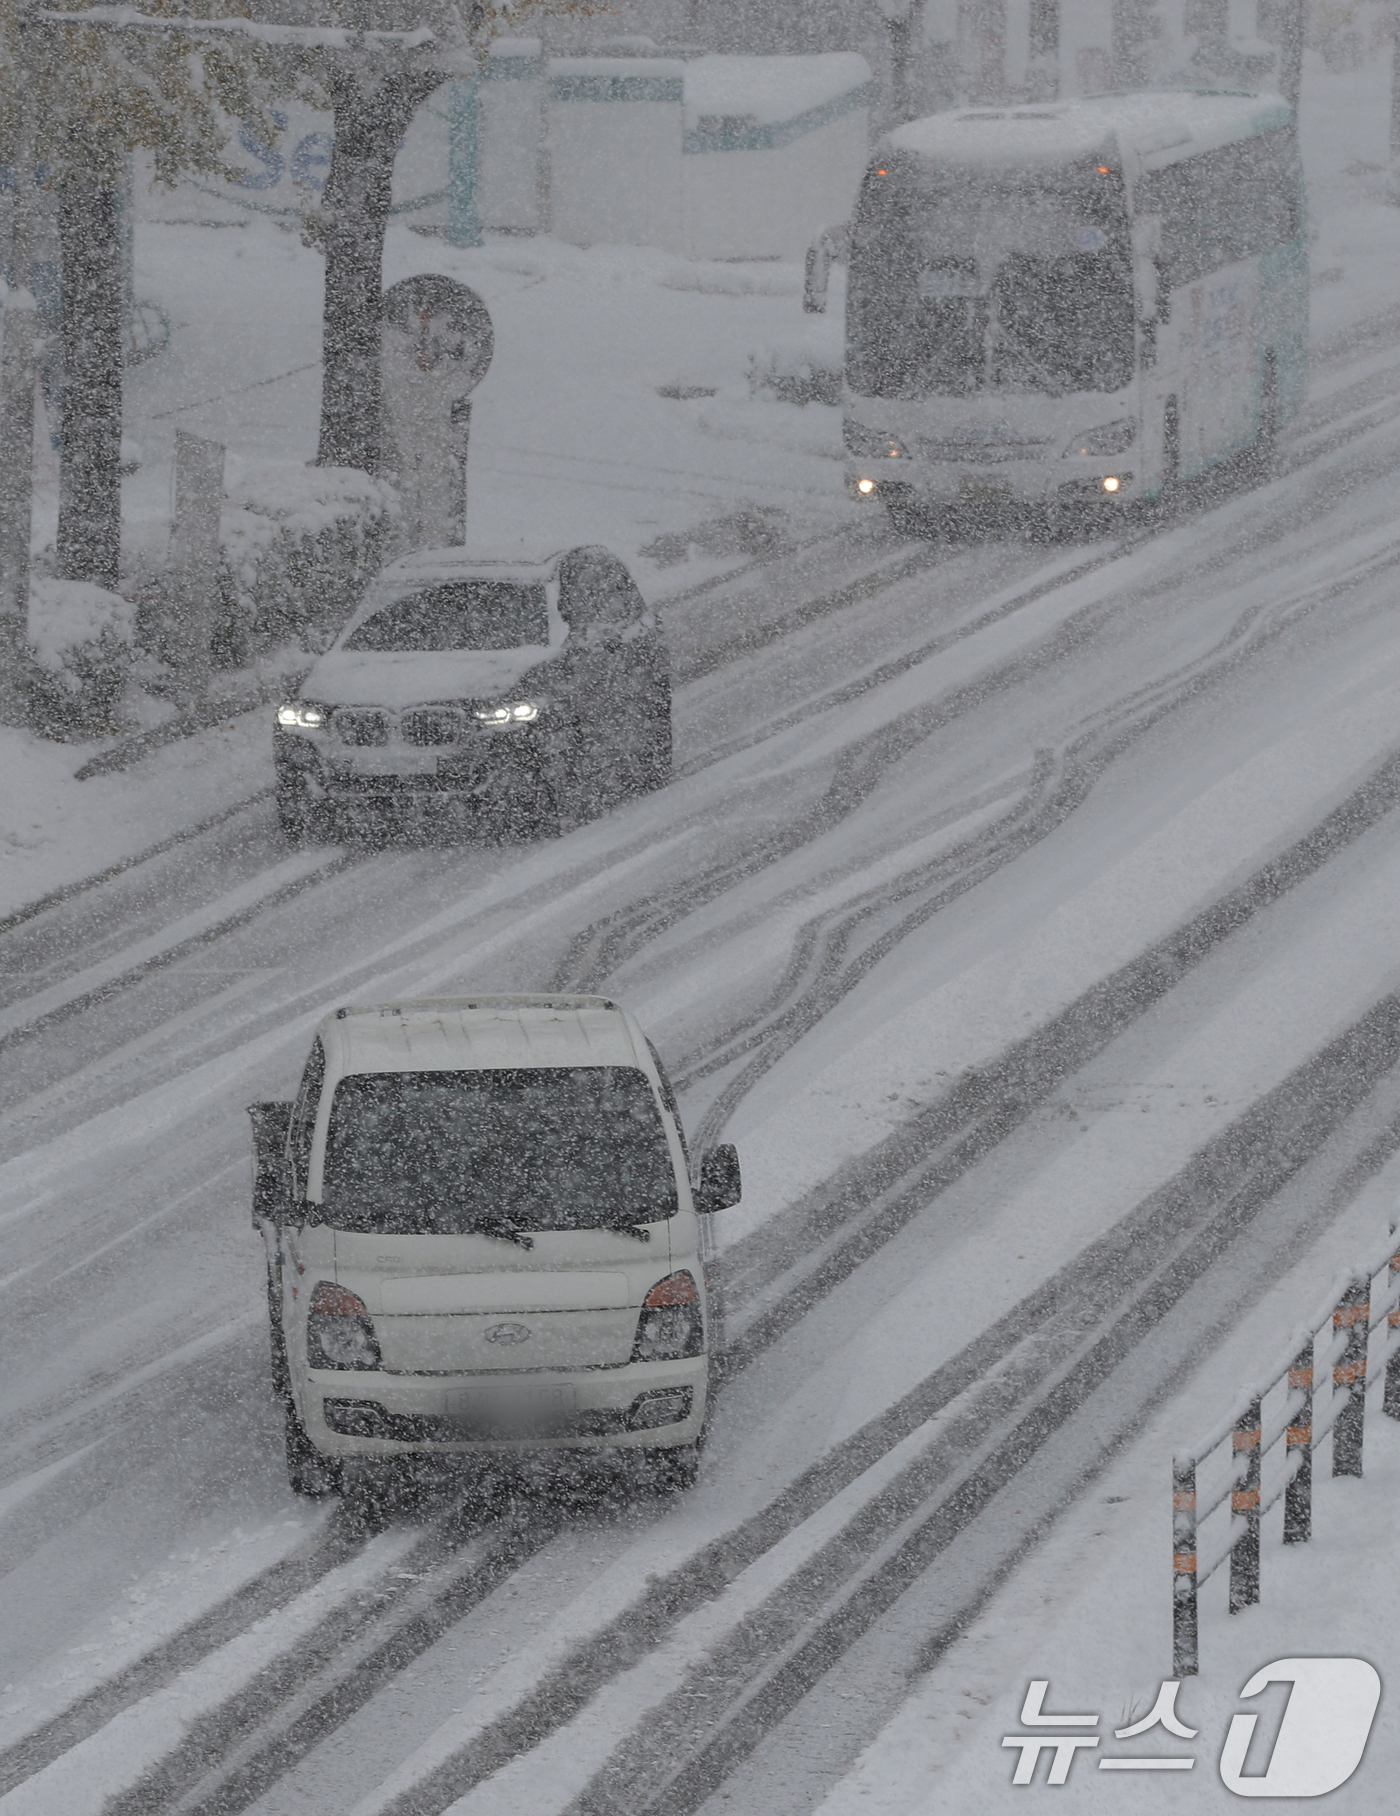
(1072, 304)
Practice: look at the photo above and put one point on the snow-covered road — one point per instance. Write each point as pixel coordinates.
(973, 856)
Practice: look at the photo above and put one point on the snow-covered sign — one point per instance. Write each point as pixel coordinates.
(286, 174)
(436, 344)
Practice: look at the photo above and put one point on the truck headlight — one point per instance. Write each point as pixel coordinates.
(339, 1330)
(671, 1325)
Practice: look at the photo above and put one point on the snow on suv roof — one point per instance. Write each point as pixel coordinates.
(521, 562)
(461, 1034)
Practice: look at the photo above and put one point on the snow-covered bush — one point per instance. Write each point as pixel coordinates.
(80, 653)
(299, 544)
(804, 367)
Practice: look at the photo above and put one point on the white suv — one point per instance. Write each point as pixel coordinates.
(482, 1235)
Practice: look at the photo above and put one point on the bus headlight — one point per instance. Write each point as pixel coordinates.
(1108, 438)
(1110, 484)
(865, 487)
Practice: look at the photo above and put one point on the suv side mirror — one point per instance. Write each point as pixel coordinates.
(271, 1122)
(719, 1179)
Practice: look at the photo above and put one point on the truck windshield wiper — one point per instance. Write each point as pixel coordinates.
(501, 1227)
(628, 1226)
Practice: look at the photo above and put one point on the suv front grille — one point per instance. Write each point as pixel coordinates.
(362, 726)
(431, 725)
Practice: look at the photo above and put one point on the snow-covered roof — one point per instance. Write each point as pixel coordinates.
(1157, 128)
(456, 1034)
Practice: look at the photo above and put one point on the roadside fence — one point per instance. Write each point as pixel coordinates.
(1263, 1455)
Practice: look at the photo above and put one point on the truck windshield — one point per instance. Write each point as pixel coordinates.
(966, 280)
(462, 614)
(535, 1148)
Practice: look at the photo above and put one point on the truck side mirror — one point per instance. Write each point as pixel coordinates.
(720, 1184)
(271, 1122)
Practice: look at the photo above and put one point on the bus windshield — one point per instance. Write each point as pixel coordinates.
(965, 280)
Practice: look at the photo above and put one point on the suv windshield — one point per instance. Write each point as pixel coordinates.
(965, 280)
(462, 614)
(536, 1148)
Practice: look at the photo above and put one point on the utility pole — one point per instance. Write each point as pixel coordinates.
(20, 334)
(902, 21)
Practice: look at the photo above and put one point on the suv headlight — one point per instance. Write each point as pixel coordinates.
(871, 444)
(511, 712)
(302, 714)
(1108, 438)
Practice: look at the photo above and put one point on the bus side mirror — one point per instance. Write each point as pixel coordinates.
(720, 1184)
(1150, 272)
(1148, 289)
(271, 1122)
(831, 243)
(814, 282)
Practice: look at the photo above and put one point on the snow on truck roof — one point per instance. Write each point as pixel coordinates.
(1157, 129)
(481, 1033)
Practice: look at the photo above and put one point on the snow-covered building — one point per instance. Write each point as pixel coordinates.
(714, 157)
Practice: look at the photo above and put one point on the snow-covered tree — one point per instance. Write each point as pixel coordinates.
(374, 94)
(92, 96)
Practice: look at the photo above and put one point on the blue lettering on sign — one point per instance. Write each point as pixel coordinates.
(311, 161)
(267, 156)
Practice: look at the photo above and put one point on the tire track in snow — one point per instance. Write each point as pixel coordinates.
(1351, 411)
(833, 1233)
(820, 973)
(1007, 1393)
(752, 1348)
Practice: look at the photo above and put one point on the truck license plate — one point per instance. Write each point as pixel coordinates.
(515, 1405)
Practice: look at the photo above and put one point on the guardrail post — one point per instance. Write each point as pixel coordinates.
(1244, 1502)
(1391, 1402)
(1353, 1316)
(1297, 1495)
(1185, 1658)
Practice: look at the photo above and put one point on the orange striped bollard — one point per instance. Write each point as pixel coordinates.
(1185, 1658)
(1297, 1495)
(1353, 1317)
(1244, 1506)
(1391, 1403)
